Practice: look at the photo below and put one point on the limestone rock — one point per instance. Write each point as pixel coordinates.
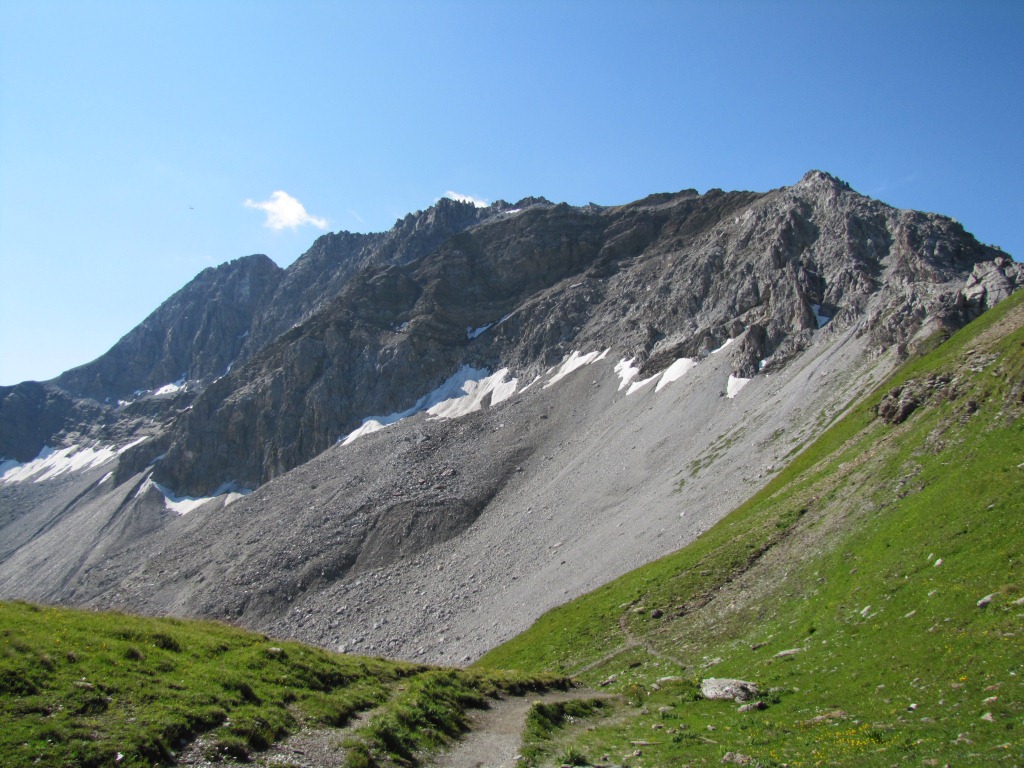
(725, 688)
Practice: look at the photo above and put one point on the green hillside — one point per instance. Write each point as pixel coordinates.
(105, 689)
(873, 591)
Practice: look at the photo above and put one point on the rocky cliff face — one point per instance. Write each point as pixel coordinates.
(321, 273)
(667, 277)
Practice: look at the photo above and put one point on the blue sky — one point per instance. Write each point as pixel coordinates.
(133, 134)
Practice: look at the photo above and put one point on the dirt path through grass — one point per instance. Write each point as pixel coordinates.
(497, 733)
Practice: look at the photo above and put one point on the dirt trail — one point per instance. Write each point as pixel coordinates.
(493, 742)
(497, 733)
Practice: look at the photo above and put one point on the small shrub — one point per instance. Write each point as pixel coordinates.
(574, 757)
(260, 727)
(227, 746)
(165, 641)
(358, 756)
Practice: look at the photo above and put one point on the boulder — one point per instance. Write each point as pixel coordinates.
(725, 688)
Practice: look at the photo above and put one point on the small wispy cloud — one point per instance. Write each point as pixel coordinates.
(466, 199)
(285, 212)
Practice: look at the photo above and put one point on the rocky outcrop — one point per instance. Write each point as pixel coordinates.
(726, 688)
(989, 283)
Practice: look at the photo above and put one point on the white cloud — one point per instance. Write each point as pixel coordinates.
(285, 212)
(466, 199)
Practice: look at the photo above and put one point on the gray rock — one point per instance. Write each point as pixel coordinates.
(754, 706)
(737, 758)
(725, 688)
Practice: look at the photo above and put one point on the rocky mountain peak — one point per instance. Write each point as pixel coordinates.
(815, 178)
(675, 275)
(195, 335)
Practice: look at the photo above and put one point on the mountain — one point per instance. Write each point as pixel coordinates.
(414, 443)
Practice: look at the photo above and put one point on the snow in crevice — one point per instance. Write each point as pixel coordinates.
(572, 362)
(472, 333)
(820, 318)
(463, 392)
(735, 384)
(726, 344)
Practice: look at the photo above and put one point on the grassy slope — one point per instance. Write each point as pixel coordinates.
(98, 689)
(867, 557)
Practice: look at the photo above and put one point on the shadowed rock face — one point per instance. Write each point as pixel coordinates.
(666, 277)
(32, 412)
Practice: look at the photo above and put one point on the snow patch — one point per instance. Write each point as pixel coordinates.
(735, 385)
(727, 343)
(676, 371)
(536, 378)
(475, 392)
(174, 386)
(574, 361)
(462, 392)
(624, 368)
(52, 463)
(636, 386)
(132, 444)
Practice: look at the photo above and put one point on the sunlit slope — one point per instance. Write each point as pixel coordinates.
(873, 591)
